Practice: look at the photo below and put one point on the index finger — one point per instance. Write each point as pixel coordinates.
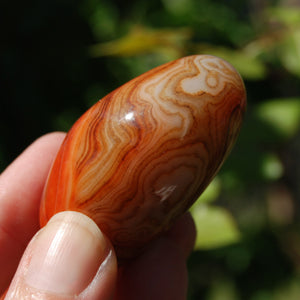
(21, 186)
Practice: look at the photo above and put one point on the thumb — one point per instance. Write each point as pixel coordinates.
(69, 258)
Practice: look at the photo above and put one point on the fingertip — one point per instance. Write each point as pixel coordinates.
(51, 139)
(161, 271)
(21, 186)
(66, 259)
(183, 233)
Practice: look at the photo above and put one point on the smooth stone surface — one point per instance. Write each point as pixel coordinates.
(142, 155)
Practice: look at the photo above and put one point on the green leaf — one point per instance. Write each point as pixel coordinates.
(177, 7)
(224, 289)
(103, 19)
(290, 52)
(289, 290)
(212, 192)
(282, 114)
(215, 227)
(286, 15)
(272, 167)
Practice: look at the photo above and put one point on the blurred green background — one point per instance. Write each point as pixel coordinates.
(58, 57)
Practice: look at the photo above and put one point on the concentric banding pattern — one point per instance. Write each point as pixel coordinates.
(143, 154)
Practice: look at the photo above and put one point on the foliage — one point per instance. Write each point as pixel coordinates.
(59, 57)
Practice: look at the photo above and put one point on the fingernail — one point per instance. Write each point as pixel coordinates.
(67, 253)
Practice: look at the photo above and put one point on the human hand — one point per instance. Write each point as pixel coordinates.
(70, 258)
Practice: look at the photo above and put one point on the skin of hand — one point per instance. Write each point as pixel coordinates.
(70, 258)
